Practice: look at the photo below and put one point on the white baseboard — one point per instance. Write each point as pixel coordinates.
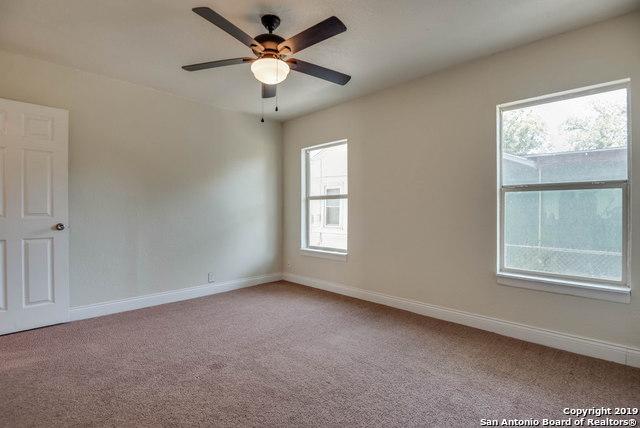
(115, 306)
(633, 357)
(579, 345)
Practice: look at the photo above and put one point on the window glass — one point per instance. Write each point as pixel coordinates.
(321, 236)
(327, 169)
(571, 140)
(332, 209)
(566, 232)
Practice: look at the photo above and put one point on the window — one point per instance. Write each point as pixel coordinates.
(563, 188)
(325, 198)
(332, 209)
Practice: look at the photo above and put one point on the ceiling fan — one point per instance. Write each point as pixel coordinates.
(272, 63)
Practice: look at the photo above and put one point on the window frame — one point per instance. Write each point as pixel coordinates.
(307, 249)
(563, 283)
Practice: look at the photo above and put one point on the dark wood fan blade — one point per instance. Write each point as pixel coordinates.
(317, 71)
(312, 35)
(214, 64)
(268, 91)
(222, 23)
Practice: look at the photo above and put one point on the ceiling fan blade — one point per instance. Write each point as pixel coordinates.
(221, 22)
(317, 71)
(268, 91)
(214, 64)
(312, 35)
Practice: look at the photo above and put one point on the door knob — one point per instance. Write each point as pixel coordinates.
(60, 226)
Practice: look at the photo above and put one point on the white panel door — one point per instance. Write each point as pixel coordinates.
(34, 242)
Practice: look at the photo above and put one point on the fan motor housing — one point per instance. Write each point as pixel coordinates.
(270, 43)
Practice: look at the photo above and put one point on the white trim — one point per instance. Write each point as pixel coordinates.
(591, 291)
(326, 145)
(323, 254)
(633, 357)
(567, 185)
(629, 194)
(567, 342)
(115, 306)
(563, 95)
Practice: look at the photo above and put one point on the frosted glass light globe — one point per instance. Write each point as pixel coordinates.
(270, 70)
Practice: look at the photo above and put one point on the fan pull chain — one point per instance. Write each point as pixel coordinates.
(277, 77)
(262, 110)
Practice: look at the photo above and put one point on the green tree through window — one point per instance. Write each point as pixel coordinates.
(523, 132)
(607, 127)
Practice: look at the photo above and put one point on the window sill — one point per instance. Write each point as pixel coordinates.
(329, 255)
(591, 291)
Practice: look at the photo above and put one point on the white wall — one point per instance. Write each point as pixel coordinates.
(422, 182)
(162, 189)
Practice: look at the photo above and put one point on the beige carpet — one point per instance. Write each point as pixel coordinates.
(286, 355)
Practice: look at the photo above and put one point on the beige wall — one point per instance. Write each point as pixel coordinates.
(162, 189)
(422, 182)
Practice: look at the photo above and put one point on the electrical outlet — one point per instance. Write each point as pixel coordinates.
(210, 277)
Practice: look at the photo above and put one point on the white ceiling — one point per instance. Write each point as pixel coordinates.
(387, 42)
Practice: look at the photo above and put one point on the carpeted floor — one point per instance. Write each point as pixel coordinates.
(285, 355)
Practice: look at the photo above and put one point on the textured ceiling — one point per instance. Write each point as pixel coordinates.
(387, 42)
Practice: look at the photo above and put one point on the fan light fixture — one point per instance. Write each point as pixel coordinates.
(270, 71)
